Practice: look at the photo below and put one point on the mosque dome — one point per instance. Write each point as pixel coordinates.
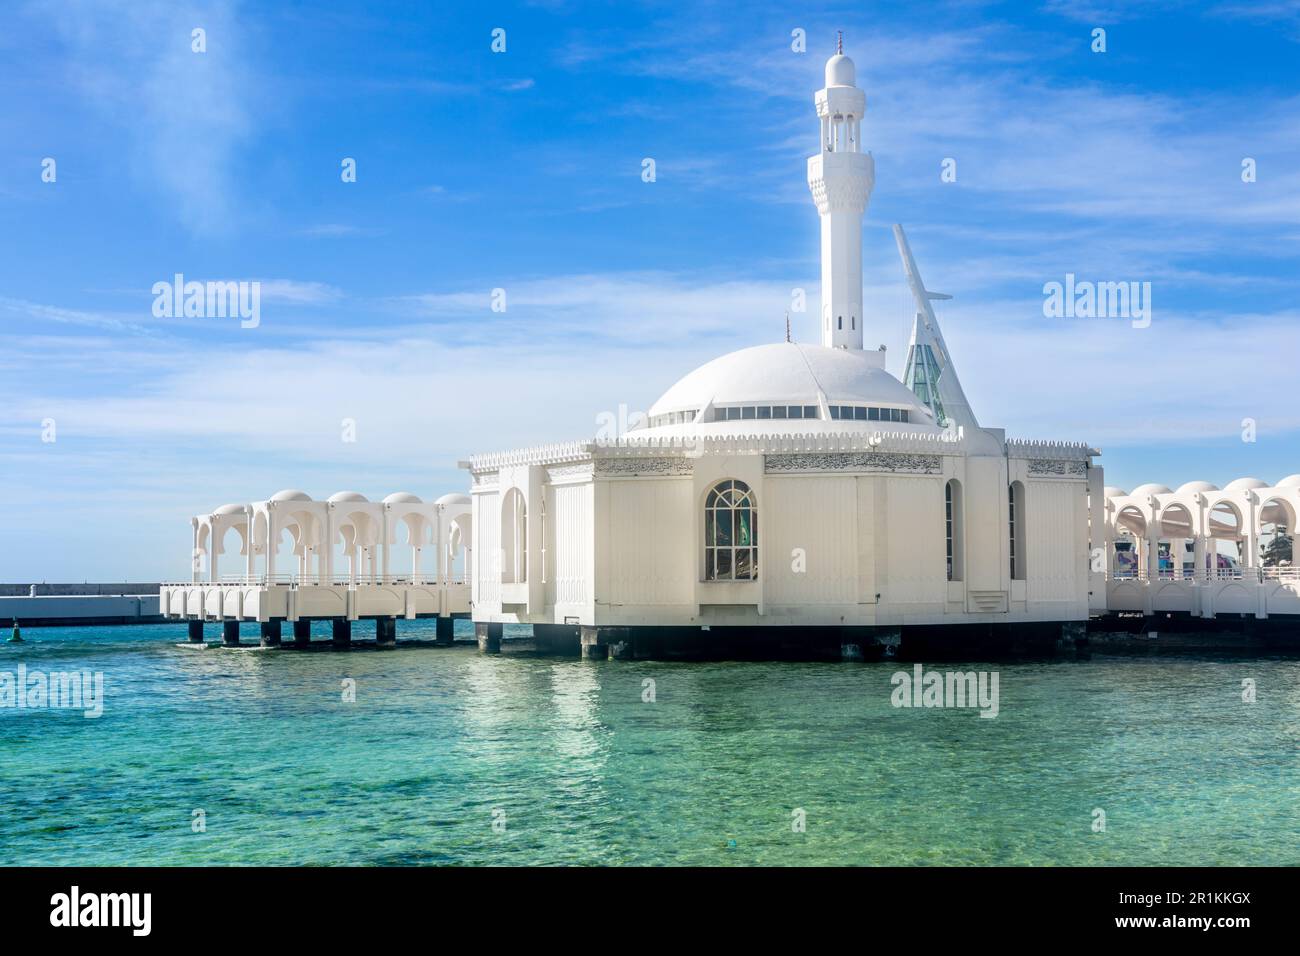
(1246, 484)
(453, 499)
(402, 498)
(1290, 481)
(291, 494)
(342, 496)
(1112, 491)
(788, 374)
(229, 510)
(1196, 487)
(1152, 489)
(840, 71)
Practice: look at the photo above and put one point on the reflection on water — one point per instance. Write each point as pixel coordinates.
(582, 769)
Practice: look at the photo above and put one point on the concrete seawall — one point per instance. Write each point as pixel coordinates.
(63, 604)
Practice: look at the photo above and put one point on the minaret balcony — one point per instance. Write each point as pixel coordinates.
(841, 180)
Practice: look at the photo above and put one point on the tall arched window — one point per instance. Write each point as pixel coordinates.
(1016, 529)
(952, 522)
(730, 533)
(514, 538)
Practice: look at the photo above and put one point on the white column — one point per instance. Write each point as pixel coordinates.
(249, 546)
(194, 551)
(271, 542)
(327, 571)
(386, 555)
(212, 551)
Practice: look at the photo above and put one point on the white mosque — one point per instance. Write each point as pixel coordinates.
(796, 494)
(783, 498)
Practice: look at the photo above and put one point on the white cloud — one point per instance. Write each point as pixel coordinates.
(187, 112)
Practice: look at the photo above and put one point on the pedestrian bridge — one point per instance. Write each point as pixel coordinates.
(342, 555)
(1202, 550)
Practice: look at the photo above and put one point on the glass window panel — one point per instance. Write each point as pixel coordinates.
(749, 411)
(765, 411)
(708, 530)
(753, 527)
(742, 527)
(744, 564)
(778, 411)
(906, 415)
(722, 522)
(733, 414)
(810, 411)
(873, 414)
(724, 563)
(709, 571)
(835, 411)
(796, 411)
(860, 414)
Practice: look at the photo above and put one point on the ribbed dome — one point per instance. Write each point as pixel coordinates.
(791, 374)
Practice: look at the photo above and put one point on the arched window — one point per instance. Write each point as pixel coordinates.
(730, 533)
(514, 538)
(952, 522)
(1016, 529)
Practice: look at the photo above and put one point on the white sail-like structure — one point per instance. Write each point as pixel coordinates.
(930, 371)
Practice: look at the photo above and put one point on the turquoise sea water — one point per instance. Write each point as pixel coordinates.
(580, 770)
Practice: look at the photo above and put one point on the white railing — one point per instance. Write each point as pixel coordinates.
(313, 580)
(1211, 574)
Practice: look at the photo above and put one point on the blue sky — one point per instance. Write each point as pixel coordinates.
(522, 170)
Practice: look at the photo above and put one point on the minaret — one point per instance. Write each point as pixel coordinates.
(841, 176)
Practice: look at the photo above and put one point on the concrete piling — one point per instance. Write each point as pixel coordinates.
(196, 631)
(446, 631)
(271, 632)
(301, 632)
(489, 637)
(342, 632)
(230, 633)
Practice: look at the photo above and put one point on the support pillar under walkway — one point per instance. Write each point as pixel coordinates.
(271, 632)
(196, 631)
(301, 632)
(445, 633)
(489, 637)
(386, 631)
(342, 632)
(230, 633)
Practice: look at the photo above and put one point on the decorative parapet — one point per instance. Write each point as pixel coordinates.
(1041, 451)
(774, 443)
(782, 443)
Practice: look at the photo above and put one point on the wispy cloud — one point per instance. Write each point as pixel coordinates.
(188, 112)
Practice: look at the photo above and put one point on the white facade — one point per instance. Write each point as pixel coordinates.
(797, 485)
